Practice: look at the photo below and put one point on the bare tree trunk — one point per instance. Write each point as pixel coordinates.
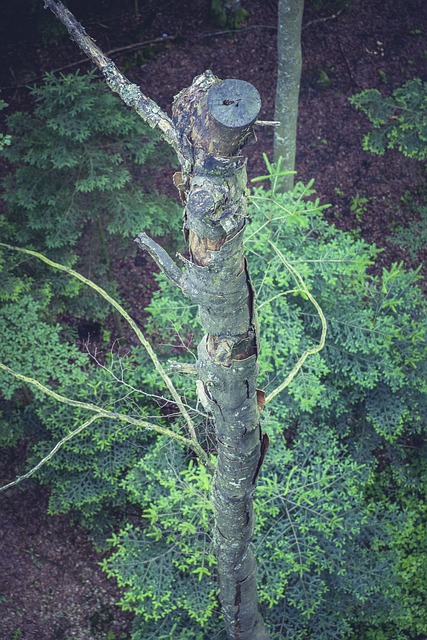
(288, 85)
(216, 118)
(212, 120)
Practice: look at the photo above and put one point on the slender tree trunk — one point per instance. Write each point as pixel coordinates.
(288, 85)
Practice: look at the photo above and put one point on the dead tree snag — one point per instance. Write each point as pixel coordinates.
(211, 122)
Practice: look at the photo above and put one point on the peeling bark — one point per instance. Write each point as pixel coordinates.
(217, 118)
(212, 120)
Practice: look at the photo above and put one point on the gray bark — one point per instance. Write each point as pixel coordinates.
(288, 85)
(217, 118)
(212, 120)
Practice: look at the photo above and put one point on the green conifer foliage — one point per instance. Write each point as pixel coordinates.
(340, 469)
(85, 475)
(399, 121)
(5, 140)
(81, 186)
(340, 526)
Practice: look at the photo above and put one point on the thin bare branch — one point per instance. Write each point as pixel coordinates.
(143, 340)
(308, 352)
(117, 50)
(100, 412)
(51, 453)
(334, 16)
(130, 93)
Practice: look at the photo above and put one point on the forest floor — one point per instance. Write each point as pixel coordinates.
(51, 586)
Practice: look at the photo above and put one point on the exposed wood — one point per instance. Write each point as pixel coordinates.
(217, 117)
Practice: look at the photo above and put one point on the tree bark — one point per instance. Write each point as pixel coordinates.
(288, 86)
(216, 118)
(212, 120)
(219, 123)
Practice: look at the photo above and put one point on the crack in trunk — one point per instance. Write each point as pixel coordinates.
(216, 118)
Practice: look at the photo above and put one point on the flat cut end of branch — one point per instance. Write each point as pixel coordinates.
(234, 104)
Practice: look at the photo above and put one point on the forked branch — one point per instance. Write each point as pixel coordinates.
(99, 412)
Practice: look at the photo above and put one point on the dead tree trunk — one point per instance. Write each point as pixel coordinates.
(216, 119)
(212, 120)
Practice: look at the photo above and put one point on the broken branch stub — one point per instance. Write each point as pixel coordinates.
(226, 111)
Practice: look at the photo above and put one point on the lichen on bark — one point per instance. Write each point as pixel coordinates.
(216, 118)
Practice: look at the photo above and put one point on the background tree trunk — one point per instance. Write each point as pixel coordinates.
(288, 85)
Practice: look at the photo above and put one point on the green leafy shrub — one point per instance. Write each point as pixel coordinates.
(328, 548)
(399, 121)
(85, 475)
(167, 566)
(405, 617)
(345, 465)
(412, 237)
(81, 187)
(226, 15)
(31, 345)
